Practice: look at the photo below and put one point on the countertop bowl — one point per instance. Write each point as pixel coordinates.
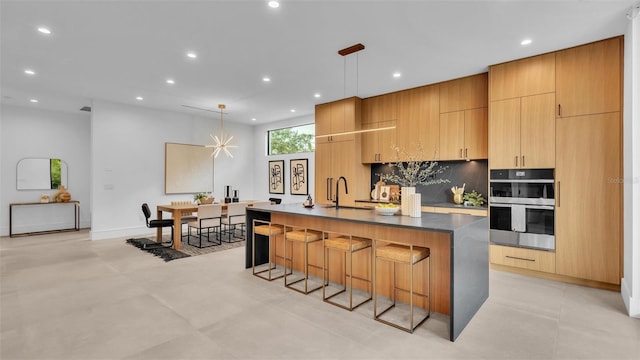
(387, 210)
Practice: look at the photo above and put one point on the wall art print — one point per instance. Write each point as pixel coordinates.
(299, 175)
(276, 177)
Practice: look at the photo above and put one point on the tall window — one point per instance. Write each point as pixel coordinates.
(292, 140)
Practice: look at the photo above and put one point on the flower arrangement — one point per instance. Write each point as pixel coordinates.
(414, 171)
(199, 197)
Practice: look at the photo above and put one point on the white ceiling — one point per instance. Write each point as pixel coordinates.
(117, 50)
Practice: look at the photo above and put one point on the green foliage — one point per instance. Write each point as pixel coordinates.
(56, 173)
(289, 141)
(474, 198)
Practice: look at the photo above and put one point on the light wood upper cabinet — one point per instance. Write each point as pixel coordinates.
(522, 132)
(337, 117)
(419, 120)
(380, 108)
(588, 78)
(589, 197)
(377, 145)
(465, 93)
(463, 135)
(530, 76)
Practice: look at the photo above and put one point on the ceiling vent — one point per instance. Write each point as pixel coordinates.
(86, 108)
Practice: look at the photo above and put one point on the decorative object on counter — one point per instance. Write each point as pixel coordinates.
(385, 192)
(309, 202)
(44, 198)
(62, 195)
(415, 205)
(458, 193)
(406, 192)
(386, 209)
(413, 172)
(276, 177)
(223, 143)
(474, 198)
(236, 196)
(298, 173)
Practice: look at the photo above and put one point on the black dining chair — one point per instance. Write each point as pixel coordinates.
(161, 223)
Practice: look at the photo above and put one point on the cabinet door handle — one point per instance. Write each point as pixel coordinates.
(465, 153)
(328, 189)
(518, 258)
(559, 110)
(516, 157)
(523, 161)
(460, 153)
(558, 195)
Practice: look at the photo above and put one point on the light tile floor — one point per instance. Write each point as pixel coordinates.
(65, 297)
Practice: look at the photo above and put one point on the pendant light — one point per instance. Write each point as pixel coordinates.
(222, 143)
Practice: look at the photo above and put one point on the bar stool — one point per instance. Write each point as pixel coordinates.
(410, 255)
(271, 231)
(305, 237)
(347, 245)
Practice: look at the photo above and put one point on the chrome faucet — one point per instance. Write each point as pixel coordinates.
(346, 190)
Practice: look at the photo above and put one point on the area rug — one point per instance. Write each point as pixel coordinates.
(186, 250)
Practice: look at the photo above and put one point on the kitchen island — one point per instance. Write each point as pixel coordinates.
(459, 247)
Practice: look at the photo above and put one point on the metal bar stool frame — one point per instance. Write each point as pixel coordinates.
(327, 235)
(411, 263)
(307, 234)
(272, 230)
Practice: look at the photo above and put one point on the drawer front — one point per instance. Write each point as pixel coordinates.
(445, 210)
(523, 258)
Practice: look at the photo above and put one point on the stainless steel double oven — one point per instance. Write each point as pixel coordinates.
(522, 208)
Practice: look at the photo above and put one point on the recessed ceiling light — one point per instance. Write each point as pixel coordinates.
(274, 4)
(170, 81)
(34, 100)
(253, 119)
(396, 75)
(29, 72)
(139, 98)
(266, 79)
(316, 95)
(192, 55)
(293, 110)
(525, 42)
(44, 30)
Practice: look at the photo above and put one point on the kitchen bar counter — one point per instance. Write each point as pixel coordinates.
(459, 248)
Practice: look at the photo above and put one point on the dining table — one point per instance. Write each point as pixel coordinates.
(176, 211)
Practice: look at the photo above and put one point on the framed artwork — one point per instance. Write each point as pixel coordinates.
(298, 172)
(276, 177)
(385, 193)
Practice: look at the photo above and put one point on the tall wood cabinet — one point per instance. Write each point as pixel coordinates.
(589, 161)
(588, 197)
(419, 120)
(339, 155)
(379, 112)
(563, 110)
(588, 78)
(522, 118)
(463, 118)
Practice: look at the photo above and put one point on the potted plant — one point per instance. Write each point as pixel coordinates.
(200, 198)
(474, 198)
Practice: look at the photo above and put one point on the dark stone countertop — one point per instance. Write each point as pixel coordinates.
(428, 221)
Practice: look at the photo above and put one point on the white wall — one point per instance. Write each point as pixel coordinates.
(261, 180)
(31, 132)
(127, 163)
(630, 287)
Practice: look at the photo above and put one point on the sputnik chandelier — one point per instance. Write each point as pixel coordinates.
(222, 143)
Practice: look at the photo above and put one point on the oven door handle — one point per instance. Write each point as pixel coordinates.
(541, 207)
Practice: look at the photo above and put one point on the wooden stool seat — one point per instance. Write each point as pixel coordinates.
(268, 230)
(402, 253)
(304, 236)
(342, 243)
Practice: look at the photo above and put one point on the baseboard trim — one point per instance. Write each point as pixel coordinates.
(119, 233)
(632, 304)
(556, 277)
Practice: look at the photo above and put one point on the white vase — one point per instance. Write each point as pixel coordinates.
(404, 198)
